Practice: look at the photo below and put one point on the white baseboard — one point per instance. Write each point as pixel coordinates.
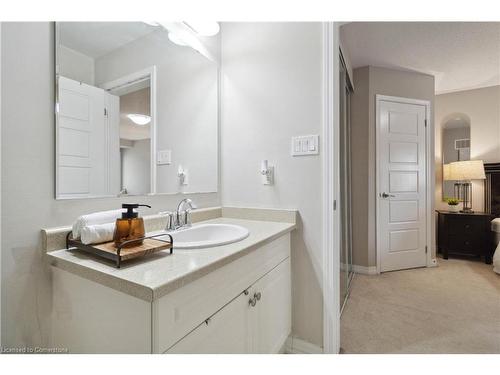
(294, 345)
(372, 270)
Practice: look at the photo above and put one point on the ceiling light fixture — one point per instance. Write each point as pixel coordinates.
(204, 28)
(139, 119)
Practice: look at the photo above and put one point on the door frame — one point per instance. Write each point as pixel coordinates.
(429, 162)
(331, 189)
(130, 79)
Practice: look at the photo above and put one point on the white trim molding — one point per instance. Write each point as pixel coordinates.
(331, 187)
(429, 173)
(1, 24)
(294, 345)
(363, 270)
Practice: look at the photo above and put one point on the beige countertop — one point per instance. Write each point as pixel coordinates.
(154, 276)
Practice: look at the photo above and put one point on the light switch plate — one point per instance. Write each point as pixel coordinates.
(305, 145)
(164, 157)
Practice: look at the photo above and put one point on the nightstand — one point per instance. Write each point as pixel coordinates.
(466, 234)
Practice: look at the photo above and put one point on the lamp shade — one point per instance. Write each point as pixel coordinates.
(447, 172)
(465, 170)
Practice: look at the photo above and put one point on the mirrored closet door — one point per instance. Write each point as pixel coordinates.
(346, 270)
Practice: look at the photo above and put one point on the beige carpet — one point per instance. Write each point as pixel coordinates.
(453, 308)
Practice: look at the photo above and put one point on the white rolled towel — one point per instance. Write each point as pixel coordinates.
(95, 218)
(99, 233)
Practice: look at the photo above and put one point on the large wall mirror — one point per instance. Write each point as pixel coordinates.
(136, 110)
(455, 146)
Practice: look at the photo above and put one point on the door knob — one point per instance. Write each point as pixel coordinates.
(385, 195)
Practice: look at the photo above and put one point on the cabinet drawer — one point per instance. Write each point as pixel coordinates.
(465, 245)
(178, 313)
(465, 226)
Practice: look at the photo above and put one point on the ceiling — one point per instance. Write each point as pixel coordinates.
(460, 55)
(96, 39)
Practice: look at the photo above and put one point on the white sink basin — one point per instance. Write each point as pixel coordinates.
(208, 235)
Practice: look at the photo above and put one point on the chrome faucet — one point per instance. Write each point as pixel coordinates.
(181, 217)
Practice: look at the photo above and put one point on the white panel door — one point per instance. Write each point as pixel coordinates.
(401, 156)
(227, 331)
(81, 140)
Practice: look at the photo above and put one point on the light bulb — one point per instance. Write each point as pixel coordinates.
(139, 119)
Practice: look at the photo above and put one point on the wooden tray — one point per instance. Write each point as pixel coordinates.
(108, 250)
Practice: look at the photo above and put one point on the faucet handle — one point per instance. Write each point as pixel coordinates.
(183, 218)
(187, 217)
(170, 220)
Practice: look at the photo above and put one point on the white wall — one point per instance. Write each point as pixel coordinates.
(482, 106)
(75, 65)
(27, 182)
(368, 82)
(187, 122)
(272, 90)
(136, 167)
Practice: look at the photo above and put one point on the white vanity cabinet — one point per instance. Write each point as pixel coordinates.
(257, 321)
(211, 314)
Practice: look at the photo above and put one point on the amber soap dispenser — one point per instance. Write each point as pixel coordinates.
(129, 227)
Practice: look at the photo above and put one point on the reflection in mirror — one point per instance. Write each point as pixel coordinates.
(455, 146)
(136, 113)
(135, 140)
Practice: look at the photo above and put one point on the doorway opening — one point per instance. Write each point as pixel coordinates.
(136, 95)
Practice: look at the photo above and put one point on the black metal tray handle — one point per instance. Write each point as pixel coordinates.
(117, 257)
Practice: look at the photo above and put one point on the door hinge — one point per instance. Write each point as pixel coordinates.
(426, 249)
(105, 111)
(425, 122)
(334, 204)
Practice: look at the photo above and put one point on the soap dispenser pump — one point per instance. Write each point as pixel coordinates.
(130, 226)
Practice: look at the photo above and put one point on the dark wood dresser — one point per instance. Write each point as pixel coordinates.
(466, 234)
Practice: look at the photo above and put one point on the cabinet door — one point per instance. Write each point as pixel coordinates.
(227, 331)
(271, 317)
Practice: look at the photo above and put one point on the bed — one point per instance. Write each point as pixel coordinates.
(492, 206)
(495, 228)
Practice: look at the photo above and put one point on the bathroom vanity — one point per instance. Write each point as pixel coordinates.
(229, 297)
(234, 298)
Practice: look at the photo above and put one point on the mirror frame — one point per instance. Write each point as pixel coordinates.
(445, 120)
